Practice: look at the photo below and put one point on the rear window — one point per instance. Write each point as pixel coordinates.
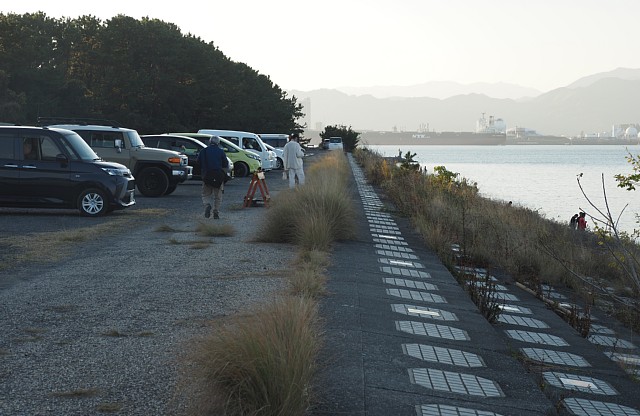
(335, 140)
(275, 142)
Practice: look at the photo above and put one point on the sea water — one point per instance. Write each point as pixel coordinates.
(539, 177)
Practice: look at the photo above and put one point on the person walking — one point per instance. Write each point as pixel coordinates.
(292, 156)
(213, 161)
(582, 221)
(573, 223)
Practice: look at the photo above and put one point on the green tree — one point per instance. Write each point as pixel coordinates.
(350, 138)
(11, 104)
(144, 73)
(408, 162)
(631, 180)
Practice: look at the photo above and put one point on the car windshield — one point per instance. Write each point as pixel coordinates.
(227, 146)
(134, 138)
(76, 146)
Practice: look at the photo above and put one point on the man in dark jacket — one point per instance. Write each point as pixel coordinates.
(213, 162)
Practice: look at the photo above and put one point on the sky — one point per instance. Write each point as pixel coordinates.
(307, 45)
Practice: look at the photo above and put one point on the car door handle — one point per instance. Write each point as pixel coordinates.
(29, 167)
(10, 166)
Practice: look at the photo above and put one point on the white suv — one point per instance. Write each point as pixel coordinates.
(335, 143)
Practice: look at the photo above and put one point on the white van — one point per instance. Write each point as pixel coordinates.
(247, 141)
(275, 140)
(335, 143)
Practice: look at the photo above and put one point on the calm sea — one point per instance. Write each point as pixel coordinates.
(543, 178)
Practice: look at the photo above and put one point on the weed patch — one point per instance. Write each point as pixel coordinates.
(199, 245)
(215, 230)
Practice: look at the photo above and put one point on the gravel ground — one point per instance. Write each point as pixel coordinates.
(102, 328)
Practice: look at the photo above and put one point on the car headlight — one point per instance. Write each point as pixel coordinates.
(117, 172)
(252, 156)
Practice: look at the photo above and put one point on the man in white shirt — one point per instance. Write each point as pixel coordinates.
(293, 155)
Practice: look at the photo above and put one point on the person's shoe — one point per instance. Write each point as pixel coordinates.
(207, 211)
(215, 215)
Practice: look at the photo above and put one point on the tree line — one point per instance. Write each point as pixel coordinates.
(144, 73)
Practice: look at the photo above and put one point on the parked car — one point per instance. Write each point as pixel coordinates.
(247, 141)
(279, 156)
(275, 140)
(158, 171)
(244, 161)
(188, 146)
(335, 143)
(55, 168)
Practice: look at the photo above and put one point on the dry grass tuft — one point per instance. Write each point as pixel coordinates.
(257, 365)
(210, 229)
(308, 280)
(199, 245)
(316, 214)
(316, 258)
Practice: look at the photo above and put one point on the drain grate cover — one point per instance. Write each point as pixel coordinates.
(432, 330)
(443, 355)
(583, 407)
(454, 382)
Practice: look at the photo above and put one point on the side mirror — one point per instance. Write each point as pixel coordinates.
(62, 160)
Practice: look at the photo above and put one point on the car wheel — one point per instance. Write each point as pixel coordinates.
(152, 182)
(170, 189)
(241, 169)
(92, 203)
(279, 164)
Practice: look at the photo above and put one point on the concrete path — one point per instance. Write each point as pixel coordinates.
(404, 338)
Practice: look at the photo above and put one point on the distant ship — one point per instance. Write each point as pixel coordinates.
(524, 136)
(521, 135)
(488, 133)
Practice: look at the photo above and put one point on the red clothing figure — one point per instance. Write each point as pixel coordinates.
(582, 222)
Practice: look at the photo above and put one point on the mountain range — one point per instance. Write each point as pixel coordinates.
(592, 104)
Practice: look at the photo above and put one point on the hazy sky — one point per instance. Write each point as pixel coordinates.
(304, 45)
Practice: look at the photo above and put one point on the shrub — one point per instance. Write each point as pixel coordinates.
(316, 214)
(258, 365)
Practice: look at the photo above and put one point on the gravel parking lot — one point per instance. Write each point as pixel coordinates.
(98, 323)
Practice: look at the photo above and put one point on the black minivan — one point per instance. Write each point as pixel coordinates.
(56, 168)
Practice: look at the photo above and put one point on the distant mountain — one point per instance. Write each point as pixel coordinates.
(590, 105)
(445, 89)
(621, 73)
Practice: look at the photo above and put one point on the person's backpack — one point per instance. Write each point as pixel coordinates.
(215, 178)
